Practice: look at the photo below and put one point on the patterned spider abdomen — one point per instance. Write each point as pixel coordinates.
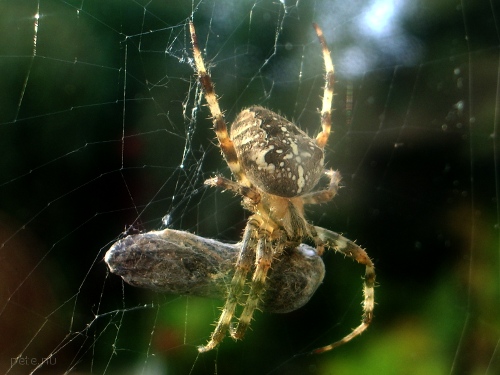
(275, 154)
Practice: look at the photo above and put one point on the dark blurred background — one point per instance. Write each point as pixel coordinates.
(101, 132)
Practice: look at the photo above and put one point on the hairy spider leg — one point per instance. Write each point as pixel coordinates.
(243, 266)
(267, 249)
(235, 187)
(326, 110)
(341, 244)
(326, 195)
(220, 127)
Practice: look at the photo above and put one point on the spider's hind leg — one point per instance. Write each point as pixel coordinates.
(326, 110)
(220, 127)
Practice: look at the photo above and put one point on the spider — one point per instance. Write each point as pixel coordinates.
(276, 166)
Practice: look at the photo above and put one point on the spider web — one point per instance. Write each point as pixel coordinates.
(102, 132)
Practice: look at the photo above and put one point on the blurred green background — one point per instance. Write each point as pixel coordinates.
(101, 129)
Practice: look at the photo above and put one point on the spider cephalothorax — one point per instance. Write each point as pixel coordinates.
(276, 166)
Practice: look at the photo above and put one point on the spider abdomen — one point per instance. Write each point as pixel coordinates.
(275, 154)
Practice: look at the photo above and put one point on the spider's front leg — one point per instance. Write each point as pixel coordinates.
(243, 265)
(347, 247)
(267, 248)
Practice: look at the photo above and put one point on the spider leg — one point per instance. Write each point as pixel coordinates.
(326, 110)
(235, 187)
(323, 196)
(263, 259)
(339, 243)
(220, 127)
(243, 265)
